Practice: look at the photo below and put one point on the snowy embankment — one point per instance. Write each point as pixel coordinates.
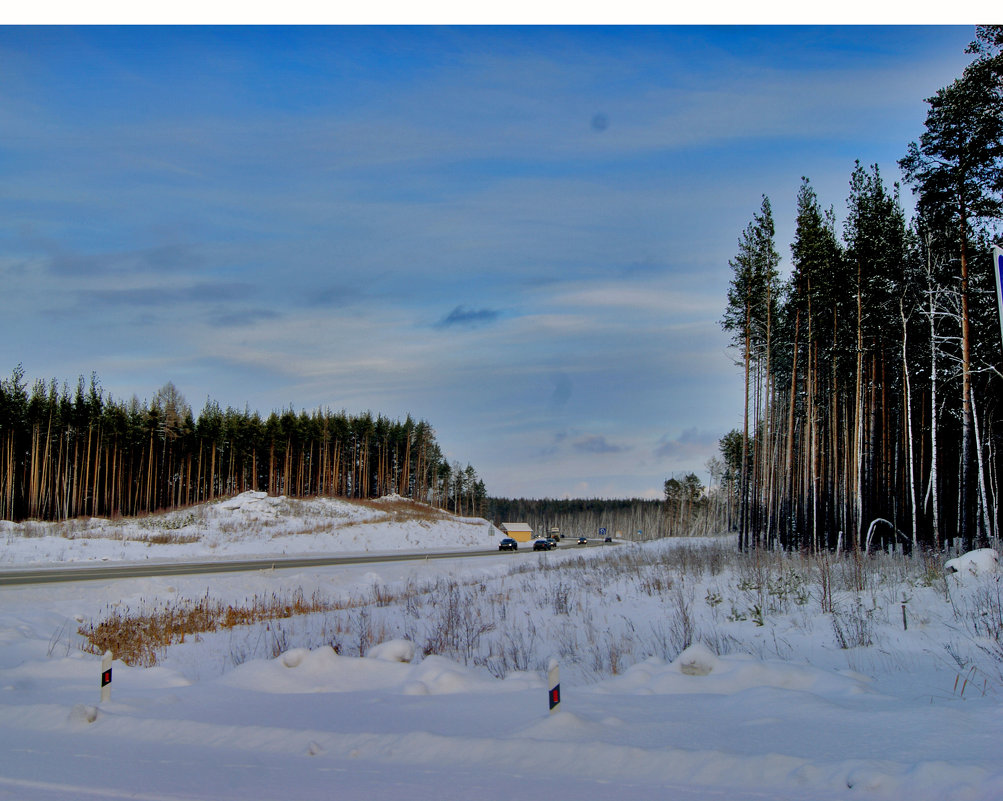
(806, 679)
(247, 525)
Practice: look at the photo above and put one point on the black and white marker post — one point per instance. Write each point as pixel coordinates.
(554, 683)
(106, 677)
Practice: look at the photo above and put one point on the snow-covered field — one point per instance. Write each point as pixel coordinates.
(803, 678)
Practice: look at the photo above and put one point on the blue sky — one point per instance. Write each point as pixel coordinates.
(519, 234)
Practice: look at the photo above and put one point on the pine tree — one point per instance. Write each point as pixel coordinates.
(818, 328)
(957, 171)
(750, 316)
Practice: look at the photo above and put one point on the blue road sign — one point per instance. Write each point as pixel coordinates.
(602, 532)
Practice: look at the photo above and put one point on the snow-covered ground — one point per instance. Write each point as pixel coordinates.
(352, 703)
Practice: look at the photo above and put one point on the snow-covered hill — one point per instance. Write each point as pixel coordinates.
(247, 525)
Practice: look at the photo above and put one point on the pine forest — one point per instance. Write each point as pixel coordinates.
(65, 454)
(872, 375)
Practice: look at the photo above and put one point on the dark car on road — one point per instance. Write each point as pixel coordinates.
(542, 545)
(508, 544)
(583, 540)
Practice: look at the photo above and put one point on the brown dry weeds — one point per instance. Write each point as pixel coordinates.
(138, 636)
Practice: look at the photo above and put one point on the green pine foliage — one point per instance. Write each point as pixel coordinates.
(67, 453)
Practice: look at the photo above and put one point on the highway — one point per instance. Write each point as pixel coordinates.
(105, 572)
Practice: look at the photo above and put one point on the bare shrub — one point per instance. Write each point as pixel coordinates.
(559, 595)
(443, 636)
(823, 570)
(239, 654)
(567, 643)
(382, 596)
(516, 650)
(61, 641)
(616, 650)
(363, 630)
(854, 572)
(853, 627)
(34, 529)
(173, 522)
(716, 560)
(657, 584)
(720, 644)
(473, 626)
(681, 623)
(279, 641)
(662, 640)
(980, 610)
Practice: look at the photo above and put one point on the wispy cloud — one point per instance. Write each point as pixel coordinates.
(67, 262)
(335, 296)
(158, 296)
(468, 318)
(596, 443)
(686, 444)
(231, 318)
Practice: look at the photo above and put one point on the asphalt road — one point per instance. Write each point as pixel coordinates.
(106, 572)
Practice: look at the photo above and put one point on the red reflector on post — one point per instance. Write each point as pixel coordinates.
(554, 683)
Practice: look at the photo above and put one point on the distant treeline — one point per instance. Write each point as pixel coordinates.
(583, 517)
(68, 453)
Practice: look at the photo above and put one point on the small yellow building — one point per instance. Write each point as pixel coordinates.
(520, 532)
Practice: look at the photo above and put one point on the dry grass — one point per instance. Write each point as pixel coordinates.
(403, 510)
(136, 637)
(400, 510)
(170, 538)
(397, 511)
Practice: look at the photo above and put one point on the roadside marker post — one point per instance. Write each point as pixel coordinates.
(106, 677)
(554, 683)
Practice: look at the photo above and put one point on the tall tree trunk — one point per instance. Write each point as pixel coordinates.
(791, 477)
(933, 488)
(858, 425)
(987, 531)
(964, 517)
(743, 509)
(908, 428)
